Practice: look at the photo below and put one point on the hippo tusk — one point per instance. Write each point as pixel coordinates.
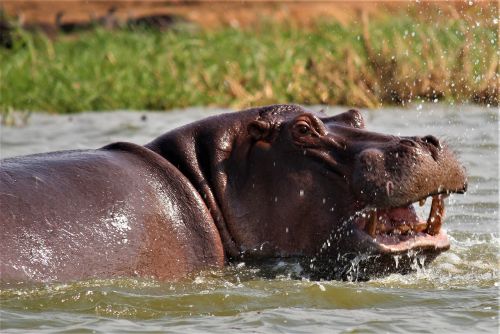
(436, 215)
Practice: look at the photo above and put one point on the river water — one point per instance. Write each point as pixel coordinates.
(459, 292)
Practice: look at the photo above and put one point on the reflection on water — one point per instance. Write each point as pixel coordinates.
(458, 292)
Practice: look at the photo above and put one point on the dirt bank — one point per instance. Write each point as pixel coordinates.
(211, 14)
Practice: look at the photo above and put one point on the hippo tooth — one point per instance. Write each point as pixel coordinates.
(403, 228)
(419, 227)
(436, 215)
(422, 201)
(371, 225)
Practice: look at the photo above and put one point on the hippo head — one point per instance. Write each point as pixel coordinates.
(284, 182)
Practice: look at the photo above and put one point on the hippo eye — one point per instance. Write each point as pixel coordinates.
(302, 127)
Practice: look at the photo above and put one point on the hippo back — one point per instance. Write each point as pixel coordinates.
(118, 211)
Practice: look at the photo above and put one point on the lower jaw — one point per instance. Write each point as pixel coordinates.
(399, 230)
(359, 257)
(416, 242)
(399, 255)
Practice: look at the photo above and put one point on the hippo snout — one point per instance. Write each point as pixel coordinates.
(403, 172)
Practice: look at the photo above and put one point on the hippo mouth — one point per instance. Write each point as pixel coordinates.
(400, 229)
(384, 241)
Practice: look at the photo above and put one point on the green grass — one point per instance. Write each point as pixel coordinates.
(388, 61)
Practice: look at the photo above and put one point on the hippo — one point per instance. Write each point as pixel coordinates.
(271, 183)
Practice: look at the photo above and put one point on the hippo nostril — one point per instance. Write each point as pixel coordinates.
(432, 140)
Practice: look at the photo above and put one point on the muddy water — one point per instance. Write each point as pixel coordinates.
(459, 292)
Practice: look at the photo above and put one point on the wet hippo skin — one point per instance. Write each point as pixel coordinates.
(276, 182)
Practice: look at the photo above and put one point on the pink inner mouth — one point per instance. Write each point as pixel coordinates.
(398, 229)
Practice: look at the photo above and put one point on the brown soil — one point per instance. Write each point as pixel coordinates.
(207, 14)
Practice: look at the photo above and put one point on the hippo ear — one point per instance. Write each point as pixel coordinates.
(350, 118)
(259, 130)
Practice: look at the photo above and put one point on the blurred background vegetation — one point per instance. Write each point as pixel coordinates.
(71, 56)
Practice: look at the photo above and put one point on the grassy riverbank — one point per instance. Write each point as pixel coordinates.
(366, 64)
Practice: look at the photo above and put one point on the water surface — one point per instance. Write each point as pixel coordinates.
(459, 292)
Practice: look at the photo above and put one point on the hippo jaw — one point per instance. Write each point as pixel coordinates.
(401, 229)
(402, 232)
(389, 240)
